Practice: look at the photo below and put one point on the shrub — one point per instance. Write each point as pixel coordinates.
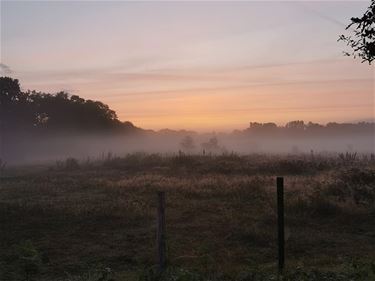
(71, 164)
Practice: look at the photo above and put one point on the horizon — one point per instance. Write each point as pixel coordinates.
(197, 140)
(201, 66)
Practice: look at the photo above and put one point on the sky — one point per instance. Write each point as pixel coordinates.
(194, 65)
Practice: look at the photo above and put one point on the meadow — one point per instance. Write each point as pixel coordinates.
(96, 219)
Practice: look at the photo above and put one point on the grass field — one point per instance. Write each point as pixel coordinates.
(74, 220)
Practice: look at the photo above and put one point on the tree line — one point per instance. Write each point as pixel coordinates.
(299, 127)
(38, 112)
(31, 111)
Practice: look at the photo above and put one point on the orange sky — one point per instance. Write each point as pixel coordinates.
(199, 65)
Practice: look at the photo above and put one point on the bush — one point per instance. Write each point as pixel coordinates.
(71, 164)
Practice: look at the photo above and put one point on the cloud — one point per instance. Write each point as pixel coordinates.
(5, 69)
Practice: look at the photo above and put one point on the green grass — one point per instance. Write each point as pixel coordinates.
(74, 219)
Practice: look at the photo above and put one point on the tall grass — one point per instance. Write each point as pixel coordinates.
(221, 214)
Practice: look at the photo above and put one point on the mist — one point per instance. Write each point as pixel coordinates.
(37, 127)
(21, 149)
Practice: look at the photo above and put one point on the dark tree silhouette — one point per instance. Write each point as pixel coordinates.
(310, 129)
(14, 108)
(9, 90)
(263, 128)
(36, 111)
(362, 41)
(298, 125)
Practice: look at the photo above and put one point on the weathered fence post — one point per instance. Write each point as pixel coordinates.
(161, 232)
(280, 222)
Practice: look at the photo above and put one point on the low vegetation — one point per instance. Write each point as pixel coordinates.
(95, 220)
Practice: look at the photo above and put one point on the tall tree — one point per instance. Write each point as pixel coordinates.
(35, 111)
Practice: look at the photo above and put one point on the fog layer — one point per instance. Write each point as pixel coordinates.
(22, 149)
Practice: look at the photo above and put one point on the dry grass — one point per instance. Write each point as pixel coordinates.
(220, 212)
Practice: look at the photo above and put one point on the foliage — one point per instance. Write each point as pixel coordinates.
(44, 112)
(300, 128)
(71, 164)
(363, 40)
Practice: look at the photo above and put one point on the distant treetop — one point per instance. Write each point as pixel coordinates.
(301, 128)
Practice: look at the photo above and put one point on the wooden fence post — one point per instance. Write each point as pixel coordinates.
(280, 222)
(162, 258)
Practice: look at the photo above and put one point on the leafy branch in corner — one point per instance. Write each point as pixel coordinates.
(362, 42)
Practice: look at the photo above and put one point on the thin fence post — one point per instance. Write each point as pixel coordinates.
(280, 222)
(162, 258)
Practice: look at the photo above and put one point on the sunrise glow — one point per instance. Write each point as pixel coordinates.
(192, 65)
